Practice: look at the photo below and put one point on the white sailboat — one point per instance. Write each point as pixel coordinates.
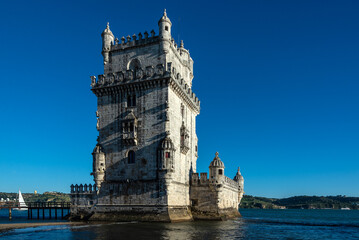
(22, 204)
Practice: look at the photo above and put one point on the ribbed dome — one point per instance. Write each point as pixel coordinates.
(98, 149)
(167, 143)
(217, 162)
(238, 177)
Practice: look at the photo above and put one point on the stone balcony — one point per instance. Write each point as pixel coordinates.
(130, 138)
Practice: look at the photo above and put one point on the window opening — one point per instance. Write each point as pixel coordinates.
(131, 157)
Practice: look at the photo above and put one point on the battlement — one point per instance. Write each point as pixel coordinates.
(150, 73)
(140, 40)
(201, 179)
(230, 182)
(83, 189)
(134, 41)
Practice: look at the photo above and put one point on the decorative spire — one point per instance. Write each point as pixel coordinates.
(217, 154)
(107, 30)
(182, 45)
(164, 18)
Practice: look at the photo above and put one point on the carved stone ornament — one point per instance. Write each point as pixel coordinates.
(110, 78)
(149, 71)
(101, 79)
(159, 70)
(93, 81)
(129, 75)
(119, 77)
(139, 73)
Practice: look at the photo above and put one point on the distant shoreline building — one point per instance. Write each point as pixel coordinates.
(144, 163)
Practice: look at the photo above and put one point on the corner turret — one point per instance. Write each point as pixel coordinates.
(166, 153)
(165, 25)
(216, 170)
(99, 165)
(107, 41)
(240, 180)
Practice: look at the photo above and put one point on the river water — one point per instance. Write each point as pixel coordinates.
(254, 224)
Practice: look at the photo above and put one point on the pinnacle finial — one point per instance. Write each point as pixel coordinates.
(217, 154)
(238, 170)
(182, 45)
(108, 25)
(164, 13)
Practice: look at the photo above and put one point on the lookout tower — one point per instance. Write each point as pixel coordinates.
(147, 145)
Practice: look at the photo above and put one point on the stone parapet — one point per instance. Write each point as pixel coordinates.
(230, 182)
(134, 41)
(201, 179)
(139, 40)
(114, 82)
(83, 189)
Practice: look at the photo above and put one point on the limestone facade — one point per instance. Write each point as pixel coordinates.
(144, 164)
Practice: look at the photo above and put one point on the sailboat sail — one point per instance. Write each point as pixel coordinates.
(22, 203)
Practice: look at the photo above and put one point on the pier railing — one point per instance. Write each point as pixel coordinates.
(30, 206)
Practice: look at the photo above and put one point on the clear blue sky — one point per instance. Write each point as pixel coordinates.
(277, 80)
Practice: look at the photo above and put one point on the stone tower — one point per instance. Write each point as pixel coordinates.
(146, 151)
(147, 124)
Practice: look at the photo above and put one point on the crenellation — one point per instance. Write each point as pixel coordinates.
(83, 189)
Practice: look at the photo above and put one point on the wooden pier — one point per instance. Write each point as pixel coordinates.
(60, 208)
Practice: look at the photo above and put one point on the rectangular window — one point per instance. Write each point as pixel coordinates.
(168, 155)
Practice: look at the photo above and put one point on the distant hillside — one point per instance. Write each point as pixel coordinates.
(45, 197)
(301, 202)
(248, 201)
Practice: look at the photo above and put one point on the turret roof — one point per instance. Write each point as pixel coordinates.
(238, 176)
(167, 143)
(107, 30)
(217, 162)
(164, 18)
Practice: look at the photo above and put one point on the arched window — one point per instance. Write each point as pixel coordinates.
(131, 101)
(131, 157)
(134, 65)
(134, 100)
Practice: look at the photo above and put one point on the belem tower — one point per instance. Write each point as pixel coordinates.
(144, 162)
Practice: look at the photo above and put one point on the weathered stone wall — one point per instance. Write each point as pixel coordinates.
(150, 113)
(204, 196)
(147, 54)
(132, 192)
(213, 200)
(228, 194)
(185, 163)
